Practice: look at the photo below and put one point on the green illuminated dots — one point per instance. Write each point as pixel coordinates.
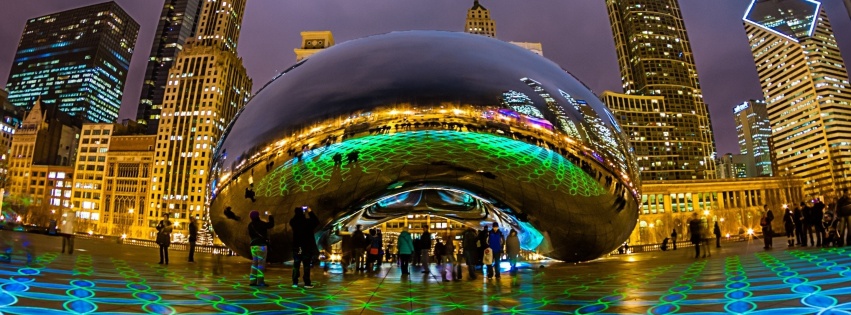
(502, 156)
(670, 302)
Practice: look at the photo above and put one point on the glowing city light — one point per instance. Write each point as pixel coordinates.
(750, 231)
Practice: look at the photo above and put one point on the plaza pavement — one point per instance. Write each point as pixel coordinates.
(102, 277)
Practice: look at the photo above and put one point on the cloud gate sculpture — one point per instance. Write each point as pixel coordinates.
(454, 125)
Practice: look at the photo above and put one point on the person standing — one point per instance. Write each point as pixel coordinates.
(767, 231)
(717, 232)
(471, 250)
(694, 233)
(843, 211)
(374, 254)
(809, 227)
(439, 251)
(415, 258)
(789, 226)
(512, 249)
(817, 221)
(193, 237)
(798, 220)
(674, 238)
(67, 231)
(358, 243)
(483, 243)
(347, 248)
(449, 259)
(496, 242)
(164, 229)
(425, 247)
(303, 225)
(258, 233)
(405, 246)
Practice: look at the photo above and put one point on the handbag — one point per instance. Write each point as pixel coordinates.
(373, 251)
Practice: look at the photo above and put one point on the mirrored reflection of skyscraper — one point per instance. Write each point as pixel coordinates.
(806, 90)
(77, 60)
(206, 87)
(479, 21)
(176, 24)
(754, 132)
(656, 60)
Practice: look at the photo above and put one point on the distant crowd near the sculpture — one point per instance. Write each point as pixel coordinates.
(822, 225)
(811, 223)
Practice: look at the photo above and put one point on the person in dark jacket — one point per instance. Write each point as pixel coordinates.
(164, 229)
(674, 238)
(798, 220)
(817, 221)
(483, 243)
(425, 248)
(717, 232)
(258, 232)
(496, 242)
(303, 224)
(439, 251)
(193, 237)
(843, 212)
(789, 226)
(374, 250)
(415, 257)
(358, 245)
(471, 251)
(694, 233)
(767, 231)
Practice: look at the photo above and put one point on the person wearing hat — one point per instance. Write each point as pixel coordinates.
(496, 242)
(258, 232)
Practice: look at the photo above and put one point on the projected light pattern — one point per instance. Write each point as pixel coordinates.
(808, 281)
(517, 160)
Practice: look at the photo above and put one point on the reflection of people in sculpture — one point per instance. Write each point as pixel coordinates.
(230, 215)
(338, 159)
(352, 157)
(249, 193)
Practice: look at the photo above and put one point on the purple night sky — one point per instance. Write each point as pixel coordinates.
(574, 33)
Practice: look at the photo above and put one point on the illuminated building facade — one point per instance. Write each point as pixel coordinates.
(479, 21)
(736, 204)
(176, 24)
(655, 59)
(10, 119)
(806, 91)
(76, 60)
(206, 87)
(40, 163)
(127, 182)
(313, 42)
(94, 193)
(521, 142)
(754, 132)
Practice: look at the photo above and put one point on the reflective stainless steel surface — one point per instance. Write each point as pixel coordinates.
(451, 124)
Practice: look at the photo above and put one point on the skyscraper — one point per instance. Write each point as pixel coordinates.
(177, 24)
(754, 132)
(77, 60)
(806, 89)
(206, 87)
(479, 21)
(313, 42)
(655, 60)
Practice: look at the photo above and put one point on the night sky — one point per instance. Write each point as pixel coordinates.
(574, 33)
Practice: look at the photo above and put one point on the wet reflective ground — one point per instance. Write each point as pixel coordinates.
(104, 277)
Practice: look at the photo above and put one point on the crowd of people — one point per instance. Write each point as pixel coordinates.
(809, 224)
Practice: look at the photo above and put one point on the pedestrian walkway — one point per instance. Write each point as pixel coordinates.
(104, 277)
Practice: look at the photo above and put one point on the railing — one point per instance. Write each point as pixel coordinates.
(209, 249)
(643, 248)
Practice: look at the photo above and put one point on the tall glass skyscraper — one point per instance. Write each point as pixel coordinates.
(655, 60)
(77, 60)
(177, 23)
(806, 91)
(754, 132)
